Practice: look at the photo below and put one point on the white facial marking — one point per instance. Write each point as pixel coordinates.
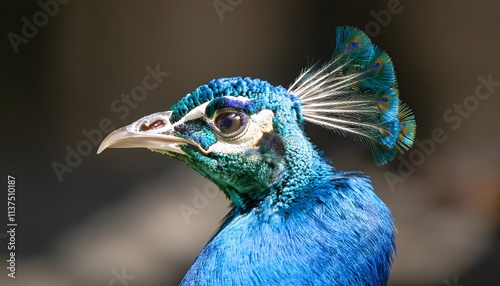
(258, 124)
(196, 113)
(199, 111)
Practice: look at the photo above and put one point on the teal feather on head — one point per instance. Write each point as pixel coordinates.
(407, 126)
(380, 72)
(387, 102)
(353, 48)
(389, 133)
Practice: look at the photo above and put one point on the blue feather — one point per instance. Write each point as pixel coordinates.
(353, 48)
(380, 72)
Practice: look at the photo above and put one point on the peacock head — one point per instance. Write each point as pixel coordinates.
(247, 136)
(234, 131)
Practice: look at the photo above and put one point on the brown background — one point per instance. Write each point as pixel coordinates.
(119, 210)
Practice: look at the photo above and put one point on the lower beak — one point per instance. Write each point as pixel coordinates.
(153, 132)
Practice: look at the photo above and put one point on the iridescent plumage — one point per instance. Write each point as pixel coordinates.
(356, 94)
(294, 220)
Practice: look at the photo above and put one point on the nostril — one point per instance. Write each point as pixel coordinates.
(154, 125)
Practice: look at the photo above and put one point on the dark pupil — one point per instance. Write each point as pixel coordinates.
(229, 122)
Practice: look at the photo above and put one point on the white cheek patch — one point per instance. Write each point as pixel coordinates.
(258, 124)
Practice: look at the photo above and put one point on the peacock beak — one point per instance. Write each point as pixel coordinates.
(154, 132)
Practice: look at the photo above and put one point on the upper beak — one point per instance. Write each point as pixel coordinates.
(154, 132)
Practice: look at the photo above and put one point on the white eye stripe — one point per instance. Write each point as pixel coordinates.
(257, 125)
(199, 111)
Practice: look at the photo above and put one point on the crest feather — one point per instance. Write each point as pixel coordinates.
(356, 95)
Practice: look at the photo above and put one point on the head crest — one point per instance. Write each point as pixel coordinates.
(356, 94)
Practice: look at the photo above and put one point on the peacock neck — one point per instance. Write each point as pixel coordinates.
(303, 171)
(306, 171)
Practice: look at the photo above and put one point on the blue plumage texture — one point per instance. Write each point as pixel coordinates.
(339, 234)
(294, 220)
(237, 86)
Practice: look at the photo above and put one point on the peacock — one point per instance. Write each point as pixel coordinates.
(294, 218)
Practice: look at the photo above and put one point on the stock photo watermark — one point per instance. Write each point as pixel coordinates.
(48, 9)
(453, 116)
(200, 201)
(223, 6)
(121, 107)
(122, 277)
(11, 226)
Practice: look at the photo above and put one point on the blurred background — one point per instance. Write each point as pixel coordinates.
(68, 68)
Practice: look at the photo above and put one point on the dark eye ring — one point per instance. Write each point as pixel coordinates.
(229, 122)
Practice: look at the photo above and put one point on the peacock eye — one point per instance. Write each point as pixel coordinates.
(229, 122)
